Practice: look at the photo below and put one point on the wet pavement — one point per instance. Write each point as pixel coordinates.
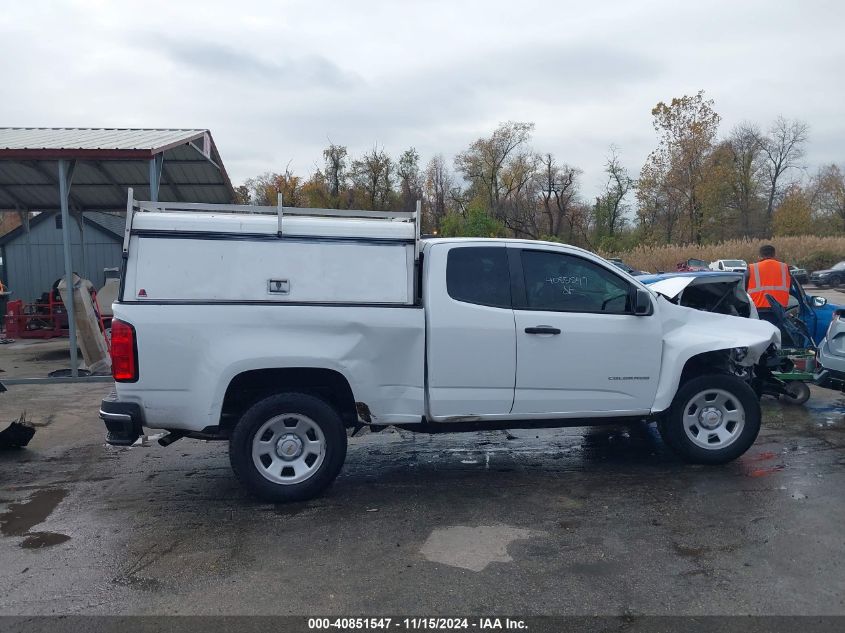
(572, 521)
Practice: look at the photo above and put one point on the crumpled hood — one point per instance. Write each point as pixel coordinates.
(691, 328)
(671, 287)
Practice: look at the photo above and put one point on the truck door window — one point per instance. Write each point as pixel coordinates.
(479, 274)
(565, 283)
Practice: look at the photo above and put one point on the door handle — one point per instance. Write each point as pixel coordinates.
(542, 329)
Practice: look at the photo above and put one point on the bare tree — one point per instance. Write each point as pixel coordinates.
(372, 176)
(783, 148)
(746, 144)
(558, 190)
(336, 159)
(438, 192)
(610, 206)
(517, 197)
(410, 179)
(485, 159)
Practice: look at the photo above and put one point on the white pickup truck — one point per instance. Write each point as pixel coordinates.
(279, 329)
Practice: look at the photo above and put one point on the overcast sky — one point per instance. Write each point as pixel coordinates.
(274, 81)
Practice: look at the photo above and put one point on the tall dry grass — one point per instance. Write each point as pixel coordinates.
(813, 253)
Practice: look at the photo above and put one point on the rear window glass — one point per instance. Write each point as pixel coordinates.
(479, 274)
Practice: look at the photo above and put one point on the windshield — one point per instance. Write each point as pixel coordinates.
(839, 266)
(696, 262)
(734, 262)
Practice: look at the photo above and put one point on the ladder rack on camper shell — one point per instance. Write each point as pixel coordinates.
(280, 211)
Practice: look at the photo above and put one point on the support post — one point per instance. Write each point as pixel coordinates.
(156, 163)
(417, 228)
(65, 178)
(82, 268)
(280, 210)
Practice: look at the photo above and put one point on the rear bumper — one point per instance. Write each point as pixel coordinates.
(123, 420)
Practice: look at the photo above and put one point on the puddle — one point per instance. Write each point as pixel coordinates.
(473, 548)
(37, 540)
(22, 516)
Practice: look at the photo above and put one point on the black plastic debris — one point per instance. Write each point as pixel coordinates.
(17, 434)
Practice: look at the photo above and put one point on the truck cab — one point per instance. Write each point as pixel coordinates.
(278, 329)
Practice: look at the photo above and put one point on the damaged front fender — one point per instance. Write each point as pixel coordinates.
(688, 333)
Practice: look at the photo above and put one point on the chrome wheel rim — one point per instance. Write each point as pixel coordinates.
(713, 419)
(288, 449)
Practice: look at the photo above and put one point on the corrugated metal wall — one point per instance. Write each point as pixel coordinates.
(34, 261)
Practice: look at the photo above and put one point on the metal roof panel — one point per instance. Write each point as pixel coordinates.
(33, 138)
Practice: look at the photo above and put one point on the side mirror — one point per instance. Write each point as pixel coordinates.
(642, 303)
(818, 302)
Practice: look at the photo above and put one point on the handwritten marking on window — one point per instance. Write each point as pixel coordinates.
(568, 281)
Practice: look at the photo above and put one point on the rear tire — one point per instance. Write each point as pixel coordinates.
(713, 419)
(288, 447)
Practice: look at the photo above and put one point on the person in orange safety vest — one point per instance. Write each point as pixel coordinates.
(768, 277)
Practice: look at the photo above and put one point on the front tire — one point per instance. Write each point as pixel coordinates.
(713, 419)
(288, 447)
(797, 392)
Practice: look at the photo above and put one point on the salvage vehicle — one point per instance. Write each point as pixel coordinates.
(803, 324)
(729, 265)
(628, 269)
(279, 329)
(725, 293)
(832, 277)
(692, 265)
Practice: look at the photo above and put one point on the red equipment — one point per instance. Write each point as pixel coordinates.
(46, 318)
(36, 320)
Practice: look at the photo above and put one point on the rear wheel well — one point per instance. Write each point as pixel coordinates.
(249, 387)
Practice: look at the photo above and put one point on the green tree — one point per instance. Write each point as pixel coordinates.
(476, 223)
(830, 197)
(794, 215)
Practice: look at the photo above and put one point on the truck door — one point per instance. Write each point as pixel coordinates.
(470, 339)
(580, 348)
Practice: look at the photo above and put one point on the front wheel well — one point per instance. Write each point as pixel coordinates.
(249, 387)
(715, 362)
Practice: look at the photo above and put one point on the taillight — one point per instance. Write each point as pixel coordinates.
(124, 352)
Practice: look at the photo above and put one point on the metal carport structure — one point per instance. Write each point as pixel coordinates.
(73, 170)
